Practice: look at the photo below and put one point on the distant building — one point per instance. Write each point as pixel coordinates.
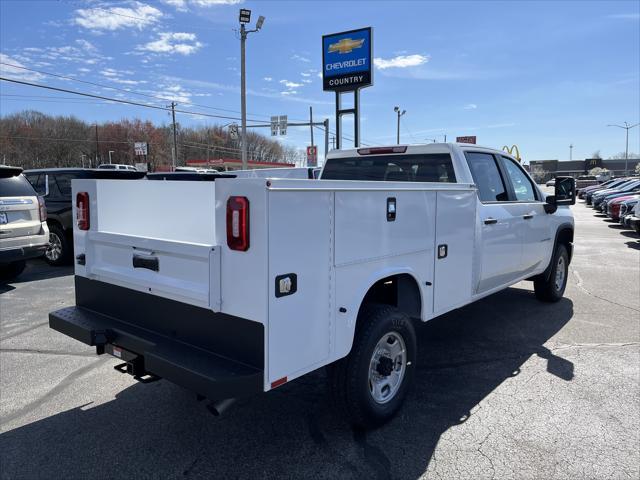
(574, 168)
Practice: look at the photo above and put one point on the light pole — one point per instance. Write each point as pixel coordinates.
(245, 17)
(400, 113)
(110, 152)
(627, 127)
(570, 151)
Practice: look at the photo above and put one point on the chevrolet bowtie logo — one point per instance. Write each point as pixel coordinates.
(346, 45)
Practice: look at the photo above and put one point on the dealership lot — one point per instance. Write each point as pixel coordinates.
(507, 387)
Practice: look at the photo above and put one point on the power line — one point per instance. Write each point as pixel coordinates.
(126, 90)
(117, 100)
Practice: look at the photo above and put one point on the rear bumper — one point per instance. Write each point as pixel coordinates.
(22, 253)
(210, 354)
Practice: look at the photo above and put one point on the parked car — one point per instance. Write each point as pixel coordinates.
(23, 223)
(634, 220)
(616, 183)
(236, 286)
(54, 185)
(551, 183)
(586, 181)
(117, 166)
(581, 193)
(627, 187)
(612, 209)
(626, 210)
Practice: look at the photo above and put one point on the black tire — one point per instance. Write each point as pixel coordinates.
(349, 377)
(11, 270)
(61, 253)
(546, 289)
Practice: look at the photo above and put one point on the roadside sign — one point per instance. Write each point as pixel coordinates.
(233, 131)
(140, 148)
(245, 15)
(312, 156)
(283, 124)
(274, 125)
(346, 60)
(469, 139)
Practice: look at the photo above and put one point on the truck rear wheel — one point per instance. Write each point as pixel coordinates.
(552, 289)
(371, 383)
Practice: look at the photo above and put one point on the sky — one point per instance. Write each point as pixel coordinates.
(541, 75)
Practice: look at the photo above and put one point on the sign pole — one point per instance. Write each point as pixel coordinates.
(338, 121)
(311, 123)
(356, 118)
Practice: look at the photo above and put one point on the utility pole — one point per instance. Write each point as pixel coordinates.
(326, 138)
(571, 152)
(311, 124)
(400, 113)
(97, 161)
(245, 17)
(174, 151)
(110, 152)
(627, 127)
(333, 142)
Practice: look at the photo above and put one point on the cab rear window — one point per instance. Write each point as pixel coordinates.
(435, 167)
(17, 186)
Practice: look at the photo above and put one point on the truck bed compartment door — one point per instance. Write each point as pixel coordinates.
(175, 270)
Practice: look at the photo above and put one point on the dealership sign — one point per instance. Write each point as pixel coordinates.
(468, 139)
(346, 60)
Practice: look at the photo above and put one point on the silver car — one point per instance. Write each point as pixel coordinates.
(23, 223)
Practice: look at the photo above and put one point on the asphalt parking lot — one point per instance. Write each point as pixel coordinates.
(506, 388)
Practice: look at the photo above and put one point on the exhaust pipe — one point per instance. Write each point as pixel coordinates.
(218, 408)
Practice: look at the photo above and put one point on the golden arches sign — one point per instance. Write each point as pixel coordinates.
(511, 150)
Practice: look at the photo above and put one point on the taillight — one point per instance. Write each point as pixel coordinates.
(238, 223)
(381, 150)
(82, 210)
(42, 209)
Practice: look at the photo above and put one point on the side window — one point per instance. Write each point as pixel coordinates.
(486, 177)
(522, 186)
(64, 184)
(38, 183)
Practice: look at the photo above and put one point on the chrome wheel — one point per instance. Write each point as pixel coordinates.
(54, 249)
(560, 273)
(387, 367)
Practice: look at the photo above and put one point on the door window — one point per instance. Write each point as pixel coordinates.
(522, 186)
(486, 177)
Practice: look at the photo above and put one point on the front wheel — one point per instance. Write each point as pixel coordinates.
(552, 289)
(371, 383)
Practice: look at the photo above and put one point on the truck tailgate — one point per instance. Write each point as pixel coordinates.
(145, 236)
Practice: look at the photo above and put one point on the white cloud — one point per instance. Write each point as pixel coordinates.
(305, 74)
(180, 5)
(289, 84)
(470, 106)
(210, 3)
(289, 92)
(401, 61)
(86, 45)
(140, 15)
(15, 72)
(300, 58)
(174, 92)
(306, 80)
(170, 43)
(84, 70)
(268, 79)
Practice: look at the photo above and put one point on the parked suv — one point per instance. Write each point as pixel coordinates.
(54, 184)
(23, 227)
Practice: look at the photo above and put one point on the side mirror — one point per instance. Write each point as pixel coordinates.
(564, 194)
(565, 191)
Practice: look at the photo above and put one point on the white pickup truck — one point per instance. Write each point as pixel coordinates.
(234, 286)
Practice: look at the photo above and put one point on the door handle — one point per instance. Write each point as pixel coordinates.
(490, 221)
(527, 217)
(148, 262)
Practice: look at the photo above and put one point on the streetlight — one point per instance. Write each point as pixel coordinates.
(110, 152)
(627, 127)
(400, 113)
(571, 152)
(245, 17)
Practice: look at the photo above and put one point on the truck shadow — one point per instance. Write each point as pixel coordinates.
(160, 431)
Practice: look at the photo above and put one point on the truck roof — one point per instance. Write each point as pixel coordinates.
(408, 149)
